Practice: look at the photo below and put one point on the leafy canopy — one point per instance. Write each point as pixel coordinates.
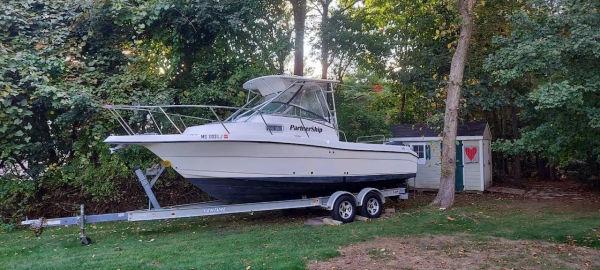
(554, 50)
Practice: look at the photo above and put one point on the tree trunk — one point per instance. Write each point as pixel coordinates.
(517, 159)
(402, 105)
(299, 9)
(445, 195)
(280, 63)
(324, 39)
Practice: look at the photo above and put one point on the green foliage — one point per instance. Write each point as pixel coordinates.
(406, 44)
(7, 227)
(363, 112)
(16, 197)
(353, 41)
(419, 36)
(42, 113)
(357, 116)
(553, 50)
(60, 60)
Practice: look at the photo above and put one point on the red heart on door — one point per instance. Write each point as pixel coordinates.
(471, 152)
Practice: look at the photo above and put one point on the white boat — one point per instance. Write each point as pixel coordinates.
(283, 144)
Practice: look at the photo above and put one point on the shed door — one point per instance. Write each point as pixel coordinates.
(459, 183)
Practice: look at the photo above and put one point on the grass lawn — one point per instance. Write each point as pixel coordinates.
(280, 240)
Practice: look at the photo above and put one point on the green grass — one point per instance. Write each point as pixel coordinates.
(276, 240)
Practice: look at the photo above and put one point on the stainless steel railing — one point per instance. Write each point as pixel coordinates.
(173, 118)
(371, 139)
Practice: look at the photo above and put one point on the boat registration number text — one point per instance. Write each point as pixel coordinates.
(213, 136)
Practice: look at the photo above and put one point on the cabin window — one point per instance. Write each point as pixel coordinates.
(423, 151)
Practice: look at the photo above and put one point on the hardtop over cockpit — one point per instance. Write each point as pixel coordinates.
(290, 96)
(276, 83)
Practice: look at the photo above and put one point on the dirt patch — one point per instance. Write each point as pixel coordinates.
(461, 252)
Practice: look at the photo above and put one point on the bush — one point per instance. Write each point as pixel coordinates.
(15, 199)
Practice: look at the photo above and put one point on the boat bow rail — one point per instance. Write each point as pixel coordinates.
(303, 99)
(161, 120)
(174, 121)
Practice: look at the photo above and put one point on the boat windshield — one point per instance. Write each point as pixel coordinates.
(303, 100)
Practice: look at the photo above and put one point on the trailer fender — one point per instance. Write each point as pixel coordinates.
(363, 192)
(333, 198)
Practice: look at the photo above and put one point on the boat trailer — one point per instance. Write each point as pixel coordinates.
(342, 204)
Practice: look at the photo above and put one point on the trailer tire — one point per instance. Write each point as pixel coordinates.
(372, 206)
(344, 208)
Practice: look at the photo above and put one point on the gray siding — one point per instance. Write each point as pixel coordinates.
(428, 174)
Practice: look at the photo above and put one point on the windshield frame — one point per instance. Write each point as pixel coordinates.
(327, 118)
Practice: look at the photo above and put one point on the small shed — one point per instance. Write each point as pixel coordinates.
(473, 155)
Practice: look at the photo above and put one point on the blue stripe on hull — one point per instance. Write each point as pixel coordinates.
(286, 188)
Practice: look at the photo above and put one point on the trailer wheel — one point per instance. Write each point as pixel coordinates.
(372, 206)
(344, 208)
(85, 241)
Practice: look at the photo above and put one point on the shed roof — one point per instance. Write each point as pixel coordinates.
(423, 130)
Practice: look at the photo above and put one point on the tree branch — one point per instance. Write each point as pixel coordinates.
(349, 6)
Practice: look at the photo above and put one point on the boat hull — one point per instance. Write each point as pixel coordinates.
(282, 147)
(250, 171)
(236, 190)
(243, 159)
